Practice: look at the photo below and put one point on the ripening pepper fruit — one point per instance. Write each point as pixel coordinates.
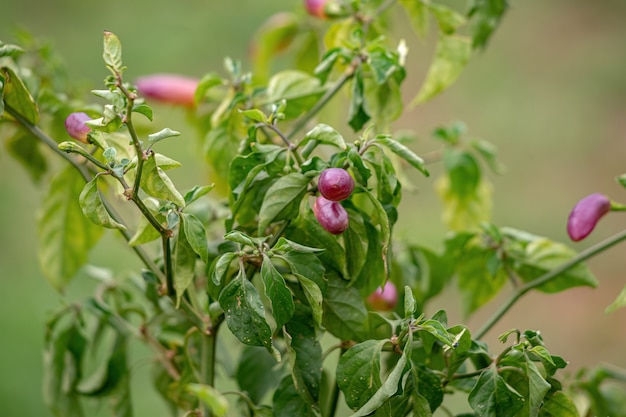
(335, 184)
(331, 215)
(384, 298)
(316, 8)
(168, 88)
(76, 127)
(585, 215)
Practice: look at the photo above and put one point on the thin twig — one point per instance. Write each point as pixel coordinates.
(519, 292)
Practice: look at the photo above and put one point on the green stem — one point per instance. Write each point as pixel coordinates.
(207, 364)
(521, 291)
(167, 264)
(130, 97)
(48, 141)
(290, 146)
(334, 395)
(330, 93)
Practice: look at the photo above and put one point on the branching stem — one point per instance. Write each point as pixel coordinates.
(548, 276)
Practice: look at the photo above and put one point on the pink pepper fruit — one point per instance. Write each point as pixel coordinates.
(168, 88)
(335, 184)
(316, 8)
(76, 127)
(585, 214)
(384, 299)
(331, 215)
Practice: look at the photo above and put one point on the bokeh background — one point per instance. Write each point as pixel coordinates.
(549, 91)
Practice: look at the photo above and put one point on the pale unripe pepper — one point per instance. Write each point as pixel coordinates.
(168, 88)
(76, 127)
(585, 215)
(384, 298)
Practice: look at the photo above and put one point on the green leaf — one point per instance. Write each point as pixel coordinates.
(418, 15)
(388, 388)
(384, 102)
(206, 83)
(314, 296)
(288, 403)
(428, 385)
(385, 228)
(211, 397)
(184, 261)
(451, 56)
(486, 15)
(161, 135)
(222, 265)
(464, 213)
(298, 88)
(16, 96)
(256, 373)
(62, 369)
(273, 37)
(476, 284)
(112, 53)
(325, 134)
(537, 389)
(9, 50)
(358, 113)
(196, 235)
(287, 246)
(143, 109)
(65, 234)
(245, 314)
(277, 291)
(306, 264)
(543, 255)
(305, 355)
(240, 237)
(145, 230)
(196, 192)
(403, 152)
(619, 302)
(157, 184)
(409, 302)
(306, 230)
(558, 404)
(463, 171)
(93, 208)
(111, 374)
(345, 315)
(356, 243)
(282, 199)
(493, 397)
(488, 152)
(255, 115)
(25, 148)
(358, 372)
(449, 20)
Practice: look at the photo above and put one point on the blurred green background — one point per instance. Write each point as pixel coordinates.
(549, 91)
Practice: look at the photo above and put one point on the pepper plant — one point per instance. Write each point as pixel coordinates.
(282, 277)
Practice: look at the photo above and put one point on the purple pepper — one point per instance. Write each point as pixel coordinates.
(585, 214)
(76, 127)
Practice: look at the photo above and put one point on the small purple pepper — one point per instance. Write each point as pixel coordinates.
(384, 298)
(168, 88)
(76, 127)
(585, 214)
